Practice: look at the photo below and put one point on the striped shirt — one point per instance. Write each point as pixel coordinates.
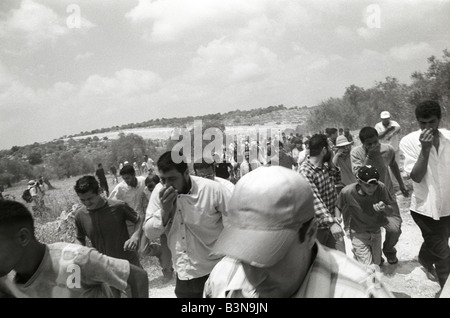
(323, 181)
(332, 274)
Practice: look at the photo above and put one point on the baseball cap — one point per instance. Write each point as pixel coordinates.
(368, 174)
(385, 114)
(266, 211)
(342, 141)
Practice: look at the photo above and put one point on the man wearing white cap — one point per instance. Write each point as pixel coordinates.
(389, 132)
(270, 246)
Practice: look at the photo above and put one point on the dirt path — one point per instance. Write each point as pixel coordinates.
(407, 278)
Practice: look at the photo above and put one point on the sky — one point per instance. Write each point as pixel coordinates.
(73, 66)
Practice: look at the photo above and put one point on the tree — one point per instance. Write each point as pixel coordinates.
(35, 158)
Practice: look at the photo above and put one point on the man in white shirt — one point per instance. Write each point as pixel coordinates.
(389, 133)
(131, 190)
(427, 156)
(207, 170)
(190, 210)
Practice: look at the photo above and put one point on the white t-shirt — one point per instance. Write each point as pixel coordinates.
(392, 138)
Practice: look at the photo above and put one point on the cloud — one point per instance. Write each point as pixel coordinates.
(172, 20)
(232, 62)
(411, 51)
(36, 23)
(344, 33)
(83, 56)
(125, 82)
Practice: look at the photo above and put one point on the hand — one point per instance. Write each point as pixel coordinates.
(405, 192)
(379, 207)
(374, 151)
(336, 231)
(426, 138)
(168, 197)
(131, 244)
(340, 151)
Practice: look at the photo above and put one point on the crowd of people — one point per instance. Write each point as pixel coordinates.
(271, 226)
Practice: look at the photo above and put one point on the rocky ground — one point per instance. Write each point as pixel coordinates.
(407, 278)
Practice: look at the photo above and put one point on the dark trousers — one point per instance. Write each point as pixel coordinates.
(393, 231)
(435, 249)
(192, 288)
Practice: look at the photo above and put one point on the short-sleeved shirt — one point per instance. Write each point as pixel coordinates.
(359, 208)
(107, 229)
(133, 196)
(392, 138)
(332, 274)
(381, 163)
(71, 271)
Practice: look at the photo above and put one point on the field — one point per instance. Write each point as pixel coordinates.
(165, 132)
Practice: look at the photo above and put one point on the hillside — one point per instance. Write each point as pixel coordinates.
(272, 115)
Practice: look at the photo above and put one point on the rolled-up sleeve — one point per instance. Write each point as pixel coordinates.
(411, 152)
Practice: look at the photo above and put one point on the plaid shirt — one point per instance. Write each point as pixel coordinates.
(323, 181)
(332, 274)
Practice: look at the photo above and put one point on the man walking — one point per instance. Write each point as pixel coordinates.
(190, 210)
(382, 157)
(389, 133)
(323, 175)
(427, 156)
(100, 174)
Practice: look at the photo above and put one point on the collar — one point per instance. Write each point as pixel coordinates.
(194, 186)
(313, 166)
(443, 134)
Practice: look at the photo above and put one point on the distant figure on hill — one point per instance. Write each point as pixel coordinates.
(100, 174)
(348, 135)
(113, 171)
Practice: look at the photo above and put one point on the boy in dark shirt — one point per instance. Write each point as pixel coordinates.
(364, 206)
(103, 221)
